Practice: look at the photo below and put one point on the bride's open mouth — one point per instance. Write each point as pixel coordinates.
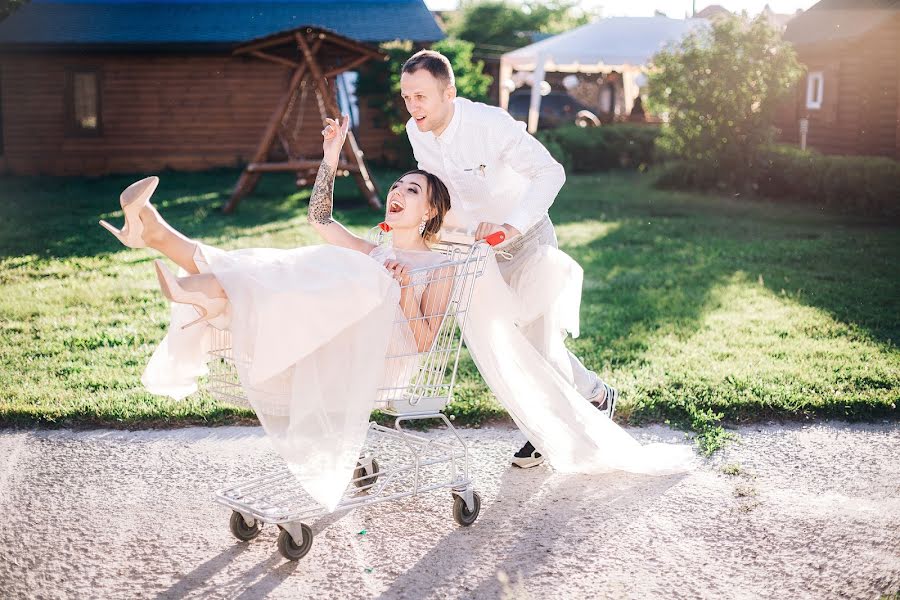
(395, 206)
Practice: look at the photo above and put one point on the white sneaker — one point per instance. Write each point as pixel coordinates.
(527, 457)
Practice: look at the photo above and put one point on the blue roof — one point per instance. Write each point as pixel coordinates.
(143, 22)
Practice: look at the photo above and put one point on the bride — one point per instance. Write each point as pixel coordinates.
(417, 204)
(310, 327)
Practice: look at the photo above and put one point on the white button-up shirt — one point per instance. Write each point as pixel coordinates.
(494, 169)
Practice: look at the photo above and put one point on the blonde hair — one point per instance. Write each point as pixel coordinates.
(434, 62)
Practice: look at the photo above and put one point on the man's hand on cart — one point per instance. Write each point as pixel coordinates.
(398, 271)
(487, 230)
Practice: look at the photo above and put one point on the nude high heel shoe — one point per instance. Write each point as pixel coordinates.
(209, 308)
(133, 199)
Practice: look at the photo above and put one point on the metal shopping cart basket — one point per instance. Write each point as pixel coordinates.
(418, 385)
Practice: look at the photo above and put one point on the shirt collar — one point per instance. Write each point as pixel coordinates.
(448, 134)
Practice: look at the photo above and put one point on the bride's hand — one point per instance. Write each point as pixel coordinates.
(333, 135)
(398, 271)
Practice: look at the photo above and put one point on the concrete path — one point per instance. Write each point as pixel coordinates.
(787, 512)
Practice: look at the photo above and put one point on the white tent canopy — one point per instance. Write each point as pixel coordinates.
(623, 44)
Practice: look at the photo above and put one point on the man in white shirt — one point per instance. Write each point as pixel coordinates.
(500, 178)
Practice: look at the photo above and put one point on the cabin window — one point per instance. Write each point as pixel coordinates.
(815, 85)
(346, 93)
(83, 101)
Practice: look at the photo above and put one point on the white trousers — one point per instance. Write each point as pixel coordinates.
(584, 380)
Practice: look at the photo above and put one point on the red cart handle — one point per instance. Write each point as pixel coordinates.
(496, 238)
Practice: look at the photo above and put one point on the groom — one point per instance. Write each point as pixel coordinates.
(499, 177)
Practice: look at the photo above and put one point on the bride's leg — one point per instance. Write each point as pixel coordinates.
(205, 283)
(201, 291)
(164, 238)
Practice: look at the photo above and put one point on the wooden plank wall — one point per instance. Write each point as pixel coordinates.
(860, 114)
(878, 119)
(182, 112)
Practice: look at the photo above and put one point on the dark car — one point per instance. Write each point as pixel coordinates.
(557, 108)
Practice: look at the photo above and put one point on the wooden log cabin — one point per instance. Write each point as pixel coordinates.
(850, 93)
(124, 86)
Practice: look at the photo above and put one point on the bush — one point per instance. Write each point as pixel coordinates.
(719, 88)
(859, 185)
(862, 185)
(684, 175)
(592, 149)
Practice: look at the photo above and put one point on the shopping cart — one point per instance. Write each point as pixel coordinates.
(417, 386)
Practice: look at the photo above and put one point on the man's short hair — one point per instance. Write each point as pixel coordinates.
(433, 62)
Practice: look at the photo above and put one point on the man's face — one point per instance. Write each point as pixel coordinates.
(427, 99)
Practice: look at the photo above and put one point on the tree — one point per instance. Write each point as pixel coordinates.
(379, 86)
(498, 24)
(720, 86)
(7, 7)
(471, 81)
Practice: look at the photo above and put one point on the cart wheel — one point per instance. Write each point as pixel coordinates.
(463, 515)
(289, 549)
(240, 529)
(368, 482)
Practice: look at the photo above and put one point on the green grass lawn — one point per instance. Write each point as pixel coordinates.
(697, 307)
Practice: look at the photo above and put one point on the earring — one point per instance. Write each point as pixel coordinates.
(422, 225)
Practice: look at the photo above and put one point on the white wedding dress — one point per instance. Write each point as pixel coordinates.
(311, 328)
(539, 392)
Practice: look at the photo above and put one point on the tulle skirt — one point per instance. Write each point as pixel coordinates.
(309, 329)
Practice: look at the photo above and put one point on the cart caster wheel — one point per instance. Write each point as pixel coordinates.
(463, 515)
(291, 550)
(240, 529)
(361, 471)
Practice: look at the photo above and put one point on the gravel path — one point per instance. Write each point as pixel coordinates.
(788, 512)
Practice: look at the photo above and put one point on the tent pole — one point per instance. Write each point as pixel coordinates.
(505, 75)
(534, 108)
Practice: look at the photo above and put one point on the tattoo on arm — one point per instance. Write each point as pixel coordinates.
(322, 200)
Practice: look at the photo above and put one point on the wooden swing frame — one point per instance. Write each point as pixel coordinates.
(308, 42)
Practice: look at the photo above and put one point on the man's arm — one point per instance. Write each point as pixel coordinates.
(528, 157)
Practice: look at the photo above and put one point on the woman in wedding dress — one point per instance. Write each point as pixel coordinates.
(310, 327)
(417, 203)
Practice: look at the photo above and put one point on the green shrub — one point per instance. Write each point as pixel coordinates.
(684, 175)
(719, 87)
(860, 185)
(592, 149)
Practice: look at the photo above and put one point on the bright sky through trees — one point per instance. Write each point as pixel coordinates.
(673, 8)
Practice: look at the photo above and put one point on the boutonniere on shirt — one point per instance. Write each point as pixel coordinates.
(479, 170)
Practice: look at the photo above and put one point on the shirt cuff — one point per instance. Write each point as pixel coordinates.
(521, 221)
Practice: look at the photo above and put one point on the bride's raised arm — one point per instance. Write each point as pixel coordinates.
(321, 202)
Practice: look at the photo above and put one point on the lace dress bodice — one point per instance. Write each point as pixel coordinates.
(415, 259)
(402, 359)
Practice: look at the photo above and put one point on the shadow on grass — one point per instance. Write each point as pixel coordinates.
(57, 216)
(671, 249)
(656, 270)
